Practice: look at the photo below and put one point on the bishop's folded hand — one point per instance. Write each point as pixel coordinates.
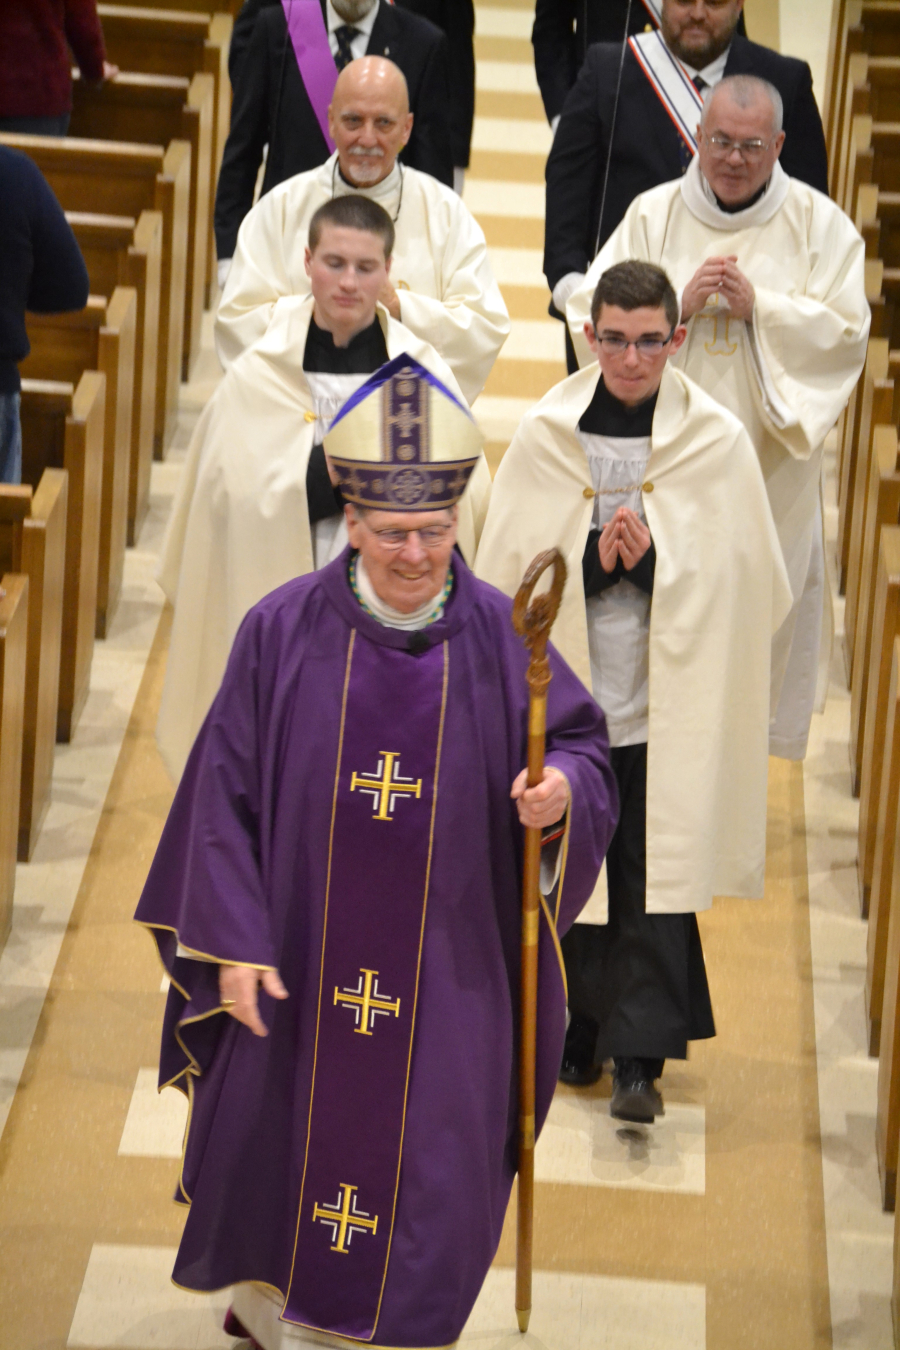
(238, 989)
(542, 805)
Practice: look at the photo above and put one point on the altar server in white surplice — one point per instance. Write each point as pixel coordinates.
(771, 278)
(258, 503)
(654, 494)
(441, 287)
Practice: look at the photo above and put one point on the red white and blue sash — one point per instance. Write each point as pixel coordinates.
(654, 9)
(671, 83)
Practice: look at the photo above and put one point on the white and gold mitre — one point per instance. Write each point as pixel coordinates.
(403, 442)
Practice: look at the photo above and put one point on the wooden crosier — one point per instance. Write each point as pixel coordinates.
(533, 623)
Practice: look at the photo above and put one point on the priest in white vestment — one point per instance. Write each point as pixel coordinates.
(676, 584)
(441, 288)
(770, 273)
(257, 503)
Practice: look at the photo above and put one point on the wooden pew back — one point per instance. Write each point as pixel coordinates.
(120, 251)
(13, 643)
(158, 109)
(114, 178)
(62, 428)
(36, 547)
(63, 346)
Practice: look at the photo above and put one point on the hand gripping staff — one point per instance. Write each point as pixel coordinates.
(533, 623)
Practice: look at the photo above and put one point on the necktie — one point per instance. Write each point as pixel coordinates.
(344, 35)
(684, 153)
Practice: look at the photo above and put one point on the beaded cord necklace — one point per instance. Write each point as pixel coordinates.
(438, 613)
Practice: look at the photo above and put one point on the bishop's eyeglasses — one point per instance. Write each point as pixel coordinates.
(431, 537)
(616, 345)
(723, 146)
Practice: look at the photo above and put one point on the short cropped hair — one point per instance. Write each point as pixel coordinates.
(353, 212)
(636, 285)
(745, 90)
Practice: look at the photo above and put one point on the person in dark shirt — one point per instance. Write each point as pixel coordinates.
(42, 270)
(36, 64)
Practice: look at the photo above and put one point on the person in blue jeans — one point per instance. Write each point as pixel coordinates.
(41, 270)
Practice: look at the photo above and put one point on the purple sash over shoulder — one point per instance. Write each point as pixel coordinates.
(309, 38)
(385, 794)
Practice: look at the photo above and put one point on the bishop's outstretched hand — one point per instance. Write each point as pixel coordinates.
(239, 988)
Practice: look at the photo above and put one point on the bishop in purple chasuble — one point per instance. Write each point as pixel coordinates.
(345, 817)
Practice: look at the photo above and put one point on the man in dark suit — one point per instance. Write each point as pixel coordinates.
(455, 18)
(564, 29)
(647, 149)
(271, 105)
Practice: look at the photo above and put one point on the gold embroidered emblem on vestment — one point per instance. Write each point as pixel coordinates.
(384, 787)
(344, 1219)
(366, 1002)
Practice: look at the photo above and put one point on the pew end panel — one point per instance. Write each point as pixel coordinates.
(13, 646)
(63, 428)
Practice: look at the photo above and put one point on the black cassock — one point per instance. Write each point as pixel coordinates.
(640, 979)
(362, 356)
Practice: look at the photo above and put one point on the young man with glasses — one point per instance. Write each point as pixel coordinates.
(676, 584)
(771, 278)
(337, 899)
(258, 502)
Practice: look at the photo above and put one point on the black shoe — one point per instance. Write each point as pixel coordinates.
(634, 1097)
(578, 1068)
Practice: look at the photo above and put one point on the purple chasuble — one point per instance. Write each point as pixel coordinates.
(309, 39)
(345, 817)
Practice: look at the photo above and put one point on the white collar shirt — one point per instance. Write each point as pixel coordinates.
(363, 28)
(710, 74)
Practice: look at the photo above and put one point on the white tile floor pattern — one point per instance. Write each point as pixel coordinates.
(128, 1303)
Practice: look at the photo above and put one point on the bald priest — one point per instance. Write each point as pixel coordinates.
(257, 503)
(771, 278)
(348, 834)
(441, 286)
(676, 584)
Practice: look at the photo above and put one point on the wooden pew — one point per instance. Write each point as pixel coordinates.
(120, 251)
(33, 542)
(62, 428)
(855, 424)
(161, 42)
(118, 179)
(63, 346)
(845, 15)
(157, 109)
(872, 28)
(231, 7)
(875, 641)
(879, 508)
(883, 871)
(876, 405)
(13, 643)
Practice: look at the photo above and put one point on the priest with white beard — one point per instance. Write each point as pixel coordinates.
(777, 324)
(441, 287)
(653, 493)
(257, 504)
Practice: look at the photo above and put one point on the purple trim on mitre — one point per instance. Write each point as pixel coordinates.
(318, 71)
(403, 487)
(389, 371)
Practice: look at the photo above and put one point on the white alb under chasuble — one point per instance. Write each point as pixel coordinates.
(448, 294)
(240, 524)
(720, 590)
(787, 375)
